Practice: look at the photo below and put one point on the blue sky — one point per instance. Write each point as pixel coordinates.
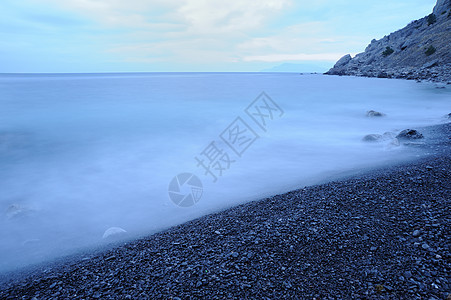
(191, 35)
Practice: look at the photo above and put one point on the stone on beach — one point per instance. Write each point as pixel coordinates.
(114, 233)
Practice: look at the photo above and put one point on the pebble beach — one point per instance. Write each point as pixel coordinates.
(381, 234)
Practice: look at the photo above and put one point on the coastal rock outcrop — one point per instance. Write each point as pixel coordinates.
(419, 51)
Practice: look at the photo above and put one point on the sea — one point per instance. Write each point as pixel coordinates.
(87, 159)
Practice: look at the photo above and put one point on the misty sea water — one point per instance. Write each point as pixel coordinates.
(80, 153)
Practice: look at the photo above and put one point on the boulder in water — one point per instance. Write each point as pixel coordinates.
(372, 138)
(373, 113)
(409, 134)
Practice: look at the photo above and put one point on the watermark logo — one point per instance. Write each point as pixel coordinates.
(239, 136)
(186, 189)
(214, 161)
(263, 110)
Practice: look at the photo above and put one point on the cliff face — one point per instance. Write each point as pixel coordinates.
(421, 50)
(442, 5)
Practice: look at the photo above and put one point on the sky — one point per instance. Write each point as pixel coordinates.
(68, 36)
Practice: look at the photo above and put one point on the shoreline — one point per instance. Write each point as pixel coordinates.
(355, 237)
(438, 74)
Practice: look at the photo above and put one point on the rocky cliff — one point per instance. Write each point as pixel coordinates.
(421, 50)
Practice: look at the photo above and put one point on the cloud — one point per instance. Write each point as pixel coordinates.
(199, 33)
(309, 41)
(118, 14)
(197, 16)
(225, 17)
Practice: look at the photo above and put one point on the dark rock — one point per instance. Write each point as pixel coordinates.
(409, 134)
(372, 113)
